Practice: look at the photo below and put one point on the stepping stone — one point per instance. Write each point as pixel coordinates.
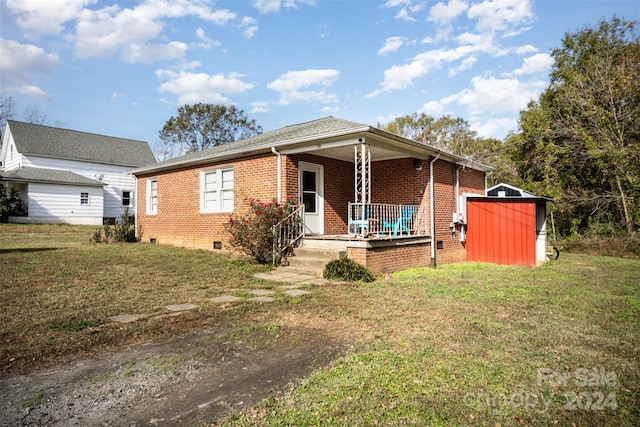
(128, 318)
(264, 276)
(290, 286)
(261, 299)
(181, 307)
(226, 298)
(296, 292)
(261, 292)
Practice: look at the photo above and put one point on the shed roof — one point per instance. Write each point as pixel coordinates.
(308, 133)
(47, 141)
(50, 176)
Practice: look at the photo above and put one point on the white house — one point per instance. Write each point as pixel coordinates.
(71, 177)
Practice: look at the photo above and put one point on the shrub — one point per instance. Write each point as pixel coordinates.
(10, 204)
(253, 233)
(347, 269)
(123, 231)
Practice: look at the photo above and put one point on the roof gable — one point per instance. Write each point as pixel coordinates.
(46, 141)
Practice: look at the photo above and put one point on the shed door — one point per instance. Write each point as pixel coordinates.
(501, 232)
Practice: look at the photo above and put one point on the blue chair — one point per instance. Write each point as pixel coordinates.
(402, 223)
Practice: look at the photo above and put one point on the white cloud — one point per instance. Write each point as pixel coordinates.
(540, 62)
(400, 77)
(153, 52)
(504, 16)
(201, 87)
(112, 30)
(392, 44)
(491, 95)
(291, 85)
(205, 42)
(250, 26)
(444, 14)
(260, 107)
(526, 49)
(494, 127)
(39, 17)
(273, 6)
(19, 62)
(465, 65)
(433, 108)
(266, 6)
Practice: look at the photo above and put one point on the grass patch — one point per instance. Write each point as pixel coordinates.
(464, 344)
(479, 344)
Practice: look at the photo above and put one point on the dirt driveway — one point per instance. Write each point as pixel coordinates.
(186, 380)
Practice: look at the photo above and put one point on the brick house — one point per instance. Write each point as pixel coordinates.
(383, 200)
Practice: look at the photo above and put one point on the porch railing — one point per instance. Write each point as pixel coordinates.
(288, 234)
(385, 220)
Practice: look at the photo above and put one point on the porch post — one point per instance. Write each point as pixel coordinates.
(362, 160)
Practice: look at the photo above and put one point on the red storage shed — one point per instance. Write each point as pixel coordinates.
(508, 226)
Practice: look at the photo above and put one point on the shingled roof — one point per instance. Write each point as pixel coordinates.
(288, 136)
(55, 176)
(46, 141)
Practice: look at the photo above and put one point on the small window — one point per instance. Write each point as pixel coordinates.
(84, 198)
(152, 196)
(126, 198)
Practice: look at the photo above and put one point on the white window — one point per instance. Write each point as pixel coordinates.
(216, 190)
(152, 196)
(84, 198)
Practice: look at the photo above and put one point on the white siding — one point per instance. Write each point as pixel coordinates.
(60, 204)
(12, 158)
(115, 177)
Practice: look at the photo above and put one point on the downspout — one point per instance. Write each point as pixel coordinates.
(278, 173)
(458, 189)
(135, 207)
(432, 209)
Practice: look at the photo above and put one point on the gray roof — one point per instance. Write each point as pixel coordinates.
(46, 141)
(312, 131)
(51, 176)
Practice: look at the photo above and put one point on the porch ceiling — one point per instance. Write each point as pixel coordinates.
(344, 150)
(346, 153)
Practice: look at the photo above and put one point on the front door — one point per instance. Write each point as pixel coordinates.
(311, 181)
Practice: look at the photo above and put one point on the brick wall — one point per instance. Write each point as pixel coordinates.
(391, 258)
(179, 221)
(446, 204)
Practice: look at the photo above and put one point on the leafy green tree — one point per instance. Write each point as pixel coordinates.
(455, 136)
(580, 142)
(201, 126)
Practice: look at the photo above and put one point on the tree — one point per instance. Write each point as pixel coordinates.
(6, 112)
(201, 126)
(580, 141)
(455, 136)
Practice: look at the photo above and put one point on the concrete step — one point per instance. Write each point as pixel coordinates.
(312, 260)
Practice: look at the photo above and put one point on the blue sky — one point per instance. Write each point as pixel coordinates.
(122, 68)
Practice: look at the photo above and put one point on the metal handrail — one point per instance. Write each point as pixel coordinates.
(287, 234)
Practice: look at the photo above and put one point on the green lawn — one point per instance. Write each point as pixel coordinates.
(464, 344)
(478, 344)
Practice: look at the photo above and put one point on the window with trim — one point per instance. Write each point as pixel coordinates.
(126, 198)
(216, 190)
(84, 198)
(152, 196)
